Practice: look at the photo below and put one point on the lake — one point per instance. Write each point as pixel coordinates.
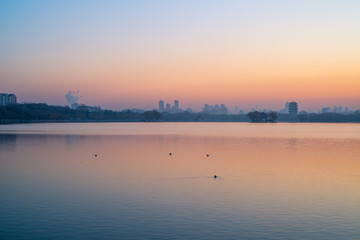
(119, 181)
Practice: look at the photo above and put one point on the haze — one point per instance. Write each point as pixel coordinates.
(121, 54)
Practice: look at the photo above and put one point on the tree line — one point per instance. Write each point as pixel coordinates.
(330, 117)
(43, 112)
(256, 116)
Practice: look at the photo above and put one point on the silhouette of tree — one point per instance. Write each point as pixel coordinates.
(273, 116)
(263, 117)
(43, 112)
(254, 116)
(152, 116)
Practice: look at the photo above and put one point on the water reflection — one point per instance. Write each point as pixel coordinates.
(7, 142)
(268, 188)
(71, 140)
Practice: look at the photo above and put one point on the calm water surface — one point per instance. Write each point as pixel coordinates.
(275, 181)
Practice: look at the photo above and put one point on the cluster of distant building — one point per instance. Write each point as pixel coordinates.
(290, 108)
(168, 108)
(335, 109)
(216, 109)
(7, 99)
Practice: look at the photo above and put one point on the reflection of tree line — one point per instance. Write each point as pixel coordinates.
(8, 141)
(43, 112)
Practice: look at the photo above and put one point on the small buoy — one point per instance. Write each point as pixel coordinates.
(215, 176)
(95, 155)
(170, 154)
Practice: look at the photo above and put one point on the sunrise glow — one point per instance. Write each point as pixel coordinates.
(122, 54)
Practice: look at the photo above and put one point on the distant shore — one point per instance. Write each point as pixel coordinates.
(43, 113)
(19, 121)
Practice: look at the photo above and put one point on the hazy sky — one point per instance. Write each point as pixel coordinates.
(121, 54)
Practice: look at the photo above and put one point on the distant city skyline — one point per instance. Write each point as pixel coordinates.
(292, 108)
(73, 97)
(130, 54)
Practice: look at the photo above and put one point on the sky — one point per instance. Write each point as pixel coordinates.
(131, 54)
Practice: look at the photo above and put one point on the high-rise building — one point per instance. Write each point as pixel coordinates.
(168, 107)
(286, 108)
(293, 108)
(3, 99)
(6, 99)
(176, 104)
(161, 106)
(223, 109)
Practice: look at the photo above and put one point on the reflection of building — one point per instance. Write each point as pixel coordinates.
(293, 108)
(6, 99)
(161, 106)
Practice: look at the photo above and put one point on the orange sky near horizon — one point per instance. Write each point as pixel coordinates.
(238, 54)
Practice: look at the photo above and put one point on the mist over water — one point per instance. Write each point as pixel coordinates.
(275, 181)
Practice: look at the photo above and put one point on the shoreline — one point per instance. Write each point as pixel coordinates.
(23, 121)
